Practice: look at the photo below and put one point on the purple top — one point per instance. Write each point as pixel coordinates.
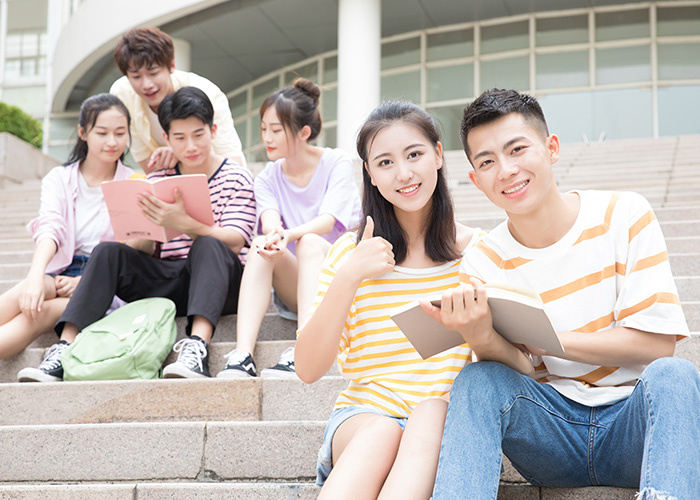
(331, 190)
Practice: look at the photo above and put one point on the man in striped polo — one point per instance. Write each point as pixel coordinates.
(617, 409)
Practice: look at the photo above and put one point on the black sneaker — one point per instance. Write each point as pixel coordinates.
(239, 364)
(50, 369)
(192, 360)
(284, 367)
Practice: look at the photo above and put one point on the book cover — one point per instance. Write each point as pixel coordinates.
(128, 221)
(517, 313)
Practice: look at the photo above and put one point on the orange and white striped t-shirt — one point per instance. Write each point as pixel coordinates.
(610, 270)
(384, 369)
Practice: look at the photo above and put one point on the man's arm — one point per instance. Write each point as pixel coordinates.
(615, 347)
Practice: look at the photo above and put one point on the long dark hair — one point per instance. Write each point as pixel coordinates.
(296, 107)
(89, 111)
(440, 229)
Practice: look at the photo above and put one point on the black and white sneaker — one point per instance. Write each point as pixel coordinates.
(192, 360)
(50, 369)
(284, 367)
(239, 364)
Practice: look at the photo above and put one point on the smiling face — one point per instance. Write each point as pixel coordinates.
(152, 83)
(273, 135)
(108, 137)
(191, 142)
(512, 163)
(403, 164)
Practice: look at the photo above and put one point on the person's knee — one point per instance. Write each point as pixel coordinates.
(106, 250)
(673, 377)
(311, 246)
(208, 248)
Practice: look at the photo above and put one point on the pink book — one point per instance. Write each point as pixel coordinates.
(128, 221)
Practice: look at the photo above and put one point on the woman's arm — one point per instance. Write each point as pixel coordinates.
(32, 297)
(317, 343)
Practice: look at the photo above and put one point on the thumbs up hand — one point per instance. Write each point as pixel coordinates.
(373, 255)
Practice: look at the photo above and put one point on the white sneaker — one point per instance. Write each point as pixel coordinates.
(239, 364)
(284, 367)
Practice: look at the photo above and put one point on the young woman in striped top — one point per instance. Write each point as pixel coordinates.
(383, 438)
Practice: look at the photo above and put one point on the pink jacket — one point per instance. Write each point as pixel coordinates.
(56, 220)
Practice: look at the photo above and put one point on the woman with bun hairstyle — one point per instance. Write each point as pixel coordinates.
(383, 438)
(306, 197)
(72, 220)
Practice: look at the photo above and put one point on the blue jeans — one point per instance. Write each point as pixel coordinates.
(650, 441)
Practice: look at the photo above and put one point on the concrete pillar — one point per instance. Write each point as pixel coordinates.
(183, 54)
(359, 65)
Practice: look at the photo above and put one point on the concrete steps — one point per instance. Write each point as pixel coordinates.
(257, 439)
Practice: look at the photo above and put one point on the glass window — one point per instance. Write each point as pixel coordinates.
(61, 151)
(30, 44)
(559, 110)
(621, 25)
(502, 37)
(31, 99)
(402, 86)
(679, 108)
(401, 53)
(309, 71)
(448, 119)
(622, 65)
(450, 82)
(568, 69)
(255, 155)
(675, 61)
(242, 131)
(13, 45)
(329, 100)
(561, 30)
(330, 69)
(63, 129)
(238, 104)
(511, 73)
(450, 45)
(28, 67)
(262, 90)
(12, 68)
(254, 129)
(330, 137)
(622, 114)
(678, 21)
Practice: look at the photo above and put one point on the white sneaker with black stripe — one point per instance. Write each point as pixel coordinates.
(239, 364)
(284, 367)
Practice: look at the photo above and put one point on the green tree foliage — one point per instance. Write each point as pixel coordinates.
(20, 124)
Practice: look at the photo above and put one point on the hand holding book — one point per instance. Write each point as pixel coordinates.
(516, 313)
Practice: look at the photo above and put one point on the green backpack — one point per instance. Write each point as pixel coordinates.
(130, 343)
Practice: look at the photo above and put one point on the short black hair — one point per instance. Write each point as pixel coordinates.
(186, 102)
(496, 103)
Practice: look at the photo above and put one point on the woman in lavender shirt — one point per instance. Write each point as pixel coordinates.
(306, 197)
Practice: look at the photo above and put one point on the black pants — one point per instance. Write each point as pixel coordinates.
(206, 283)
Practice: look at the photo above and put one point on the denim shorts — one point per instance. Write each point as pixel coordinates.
(75, 268)
(324, 464)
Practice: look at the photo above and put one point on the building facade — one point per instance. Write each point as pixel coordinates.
(618, 70)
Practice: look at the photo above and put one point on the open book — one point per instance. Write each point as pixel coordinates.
(518, 315)
(128, 221)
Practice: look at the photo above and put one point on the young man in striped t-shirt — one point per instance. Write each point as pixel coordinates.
(201, 269)
(616, 409)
